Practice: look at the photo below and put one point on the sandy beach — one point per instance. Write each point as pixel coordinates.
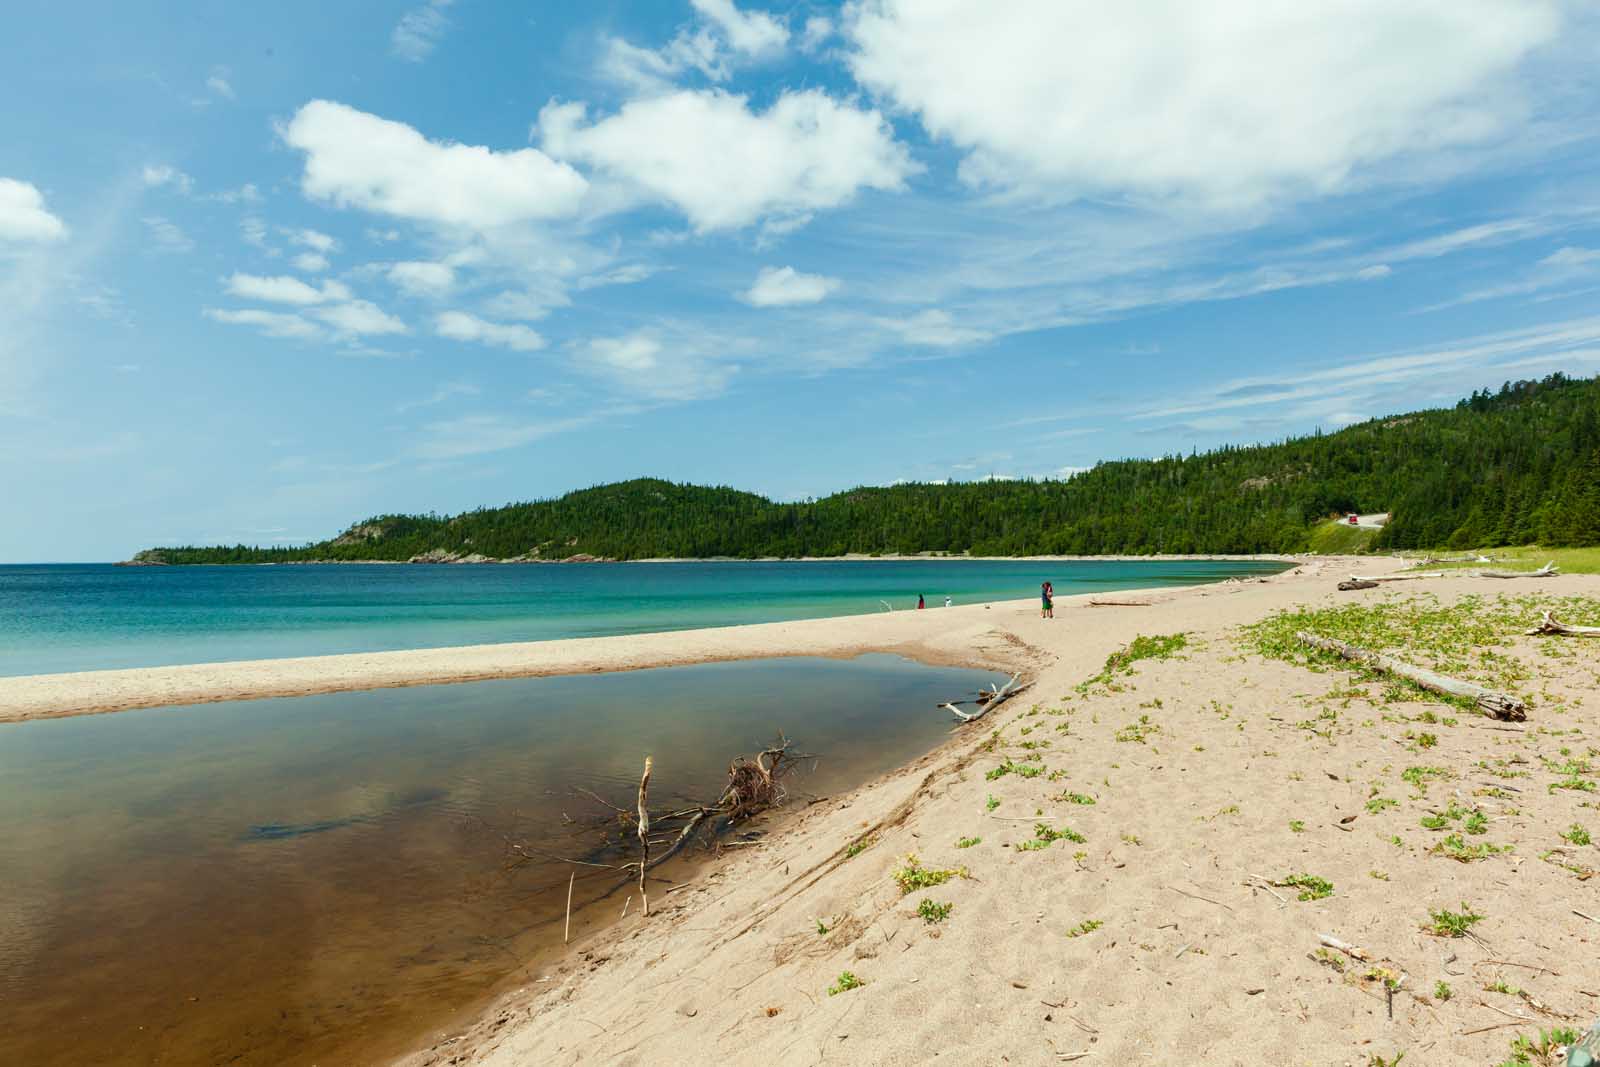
(956, 636)
(1195, 783)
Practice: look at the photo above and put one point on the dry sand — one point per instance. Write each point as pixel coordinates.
(1192, 964)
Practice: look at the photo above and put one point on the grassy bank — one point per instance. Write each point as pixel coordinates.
(1525, 558)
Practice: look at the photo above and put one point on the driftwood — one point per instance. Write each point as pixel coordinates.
(1119, 603)
(1549, 570)
(644, 834)
(1405, 576)
(988, 701)
(1495, 705)
(1329, 941)
(1357, 583)
(1551, 625)
(1455, 559)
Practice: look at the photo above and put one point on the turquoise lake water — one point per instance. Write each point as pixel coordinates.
(72, 617)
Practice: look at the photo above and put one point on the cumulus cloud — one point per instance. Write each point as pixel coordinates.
(283, 289)
(218, 83)
(310, 262)
(419, 30)
(23, 216)
(725, 35)
(272, 323)
(460, 326)
(155, 176)
(751, 33)
(725, 166)
(359, 318)
(645, 364)
(818, 30)
(358, 160)
(312, 239)
(422, 278)
(782, 286)
(1232, 103)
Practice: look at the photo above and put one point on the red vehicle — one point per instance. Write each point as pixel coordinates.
(1354, 520)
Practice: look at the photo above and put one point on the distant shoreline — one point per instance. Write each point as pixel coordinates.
(853, 557)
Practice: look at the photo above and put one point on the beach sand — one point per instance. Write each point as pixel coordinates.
(1196, 961)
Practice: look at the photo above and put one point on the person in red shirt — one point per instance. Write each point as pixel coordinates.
(1047, 601)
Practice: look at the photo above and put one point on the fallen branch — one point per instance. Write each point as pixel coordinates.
(566, 929)
(988, 701)
(1403, 577)
(1119, 603)
(1547, 571)
(1551, 625)
(644, 835)
(1496, 705)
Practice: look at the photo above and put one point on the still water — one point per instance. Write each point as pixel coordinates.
(324, 879)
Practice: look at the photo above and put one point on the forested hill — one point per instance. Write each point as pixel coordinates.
(1517, 466)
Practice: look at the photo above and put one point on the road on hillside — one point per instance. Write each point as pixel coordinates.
(1372, 522)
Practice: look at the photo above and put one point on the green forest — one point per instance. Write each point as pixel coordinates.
(1515, 466)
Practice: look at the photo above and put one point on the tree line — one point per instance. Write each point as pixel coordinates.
(1514, 466)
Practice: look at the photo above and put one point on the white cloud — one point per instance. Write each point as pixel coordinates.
(245, 194)
(354, 159)
(417, 33)
(681, 366)
(272, 323)
(312, 239)
(783, 286)
(472, 435)
(725, 166)
(460, 326)
(726, 35)
(166, 235)
(818, 30)
(628, 274)
(1564, 268)
(218, 83)
(23, 216)
(162, 174)
(531, 304)
(422, 278)
(1232, 103)
(359, 318)
(310, 262)
(254, 231)
(750, 33)
(934, 328)
(283, 289)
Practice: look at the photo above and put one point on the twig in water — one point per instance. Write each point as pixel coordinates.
(566, 931)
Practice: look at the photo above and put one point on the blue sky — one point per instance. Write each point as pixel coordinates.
(267, 269)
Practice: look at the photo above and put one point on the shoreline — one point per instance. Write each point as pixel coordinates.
(848, 557)
(732, 966)
(937, 636)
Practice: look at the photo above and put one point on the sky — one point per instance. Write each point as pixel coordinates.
(268, 269)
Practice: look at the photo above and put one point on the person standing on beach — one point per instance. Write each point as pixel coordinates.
(1047, 601)
(919, 602)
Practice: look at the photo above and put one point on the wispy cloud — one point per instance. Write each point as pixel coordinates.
(419, 31)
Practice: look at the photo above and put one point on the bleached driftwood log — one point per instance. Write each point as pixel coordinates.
(1551, 625)
(1549, 570)
(1403, 577)
(1455, 559)
(644, 834)
(1495, 705)
(997, 696)
(1329, 941)
(1357, 583)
